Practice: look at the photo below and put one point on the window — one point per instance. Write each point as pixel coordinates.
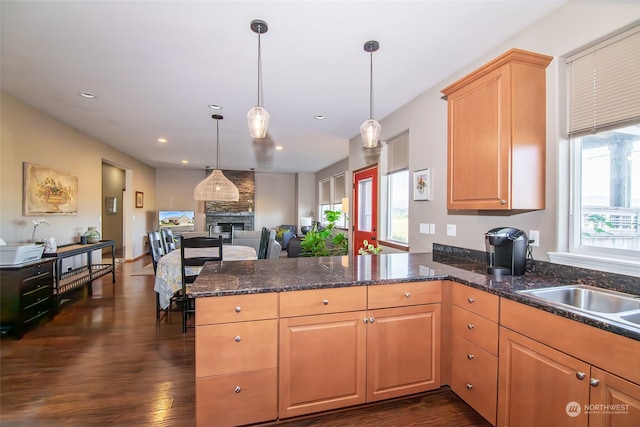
(604, 131)
(332, 193)
(397, 190)
(325, 199)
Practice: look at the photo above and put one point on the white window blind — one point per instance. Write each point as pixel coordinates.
(604, 85)
(339, 188)
(398, 153)
(325, 192)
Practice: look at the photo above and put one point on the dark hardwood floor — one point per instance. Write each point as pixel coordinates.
(103, 360)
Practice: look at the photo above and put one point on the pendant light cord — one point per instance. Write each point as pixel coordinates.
(259, 67)
(218, 144)
(371, 85)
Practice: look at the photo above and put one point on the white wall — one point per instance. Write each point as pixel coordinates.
(28, 135)
(275, 200)
(565, 30)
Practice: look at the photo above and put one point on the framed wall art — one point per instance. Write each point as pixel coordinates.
(139, 199)
(110, 205)
(422, 184)
(48, 191)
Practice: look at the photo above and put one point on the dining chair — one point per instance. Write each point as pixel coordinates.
(264, 243)
(192, 260)
(157, 251)
(168, 242)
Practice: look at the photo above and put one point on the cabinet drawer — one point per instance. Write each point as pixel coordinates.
(236, 347)
(323, 301)
(476, 301)
(478, 394)
(475, 359)
(475, 328)
(40, 293)
(239, 399)
(236, 308)
(37, 311)
(404, 294)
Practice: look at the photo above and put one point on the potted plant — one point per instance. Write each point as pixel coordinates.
(369, 249)
(327, 240)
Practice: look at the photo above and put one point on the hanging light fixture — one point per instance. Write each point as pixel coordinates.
(370, 129)
(216, 187)
(258, 117)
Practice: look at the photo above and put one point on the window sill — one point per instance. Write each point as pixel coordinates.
(398, 246)
(612, 265)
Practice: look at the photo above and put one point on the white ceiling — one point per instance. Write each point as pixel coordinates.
(155, 66)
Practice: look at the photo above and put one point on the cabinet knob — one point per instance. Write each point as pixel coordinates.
(325, 301)
(238, 309)
(471, 300)
(408, 295)
(365, 320)
(238, 389)
(238, 339)
(469, 386)
(503, 202)
(594, 382)
(470, 326)
(470, 356)
(580, 375)
(371, 320)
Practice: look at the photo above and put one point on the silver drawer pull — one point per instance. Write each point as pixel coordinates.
(471, 300)
(580, 375)
(469, 386)
(371, 320)
(325, 301)
(238, 339)
(470, 356)
(470, 325)
(408, 295)
(594, 382)
(238, 309)
(238, 389)
(365, 320)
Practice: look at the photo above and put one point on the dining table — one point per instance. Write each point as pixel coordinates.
(169, 270)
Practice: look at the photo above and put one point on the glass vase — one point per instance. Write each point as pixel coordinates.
(92, 235)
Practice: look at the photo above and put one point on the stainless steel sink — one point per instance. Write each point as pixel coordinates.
(618, 307)
(588, 298)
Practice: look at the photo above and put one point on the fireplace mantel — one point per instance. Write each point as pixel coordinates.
(247, 218)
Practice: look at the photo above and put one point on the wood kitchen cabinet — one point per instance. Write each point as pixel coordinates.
(497, 135)
(549, 362)
(334, 352)
(236, 359)
(474, 348)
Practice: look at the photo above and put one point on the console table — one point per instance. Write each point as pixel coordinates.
(66, 281)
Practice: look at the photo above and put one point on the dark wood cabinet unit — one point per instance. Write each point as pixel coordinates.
(26, 295)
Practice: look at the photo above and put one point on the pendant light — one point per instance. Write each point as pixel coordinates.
(216, 187)
(258, 117)
(370, 129)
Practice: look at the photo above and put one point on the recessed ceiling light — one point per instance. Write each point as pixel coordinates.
(162, 140)
(279, 147)
(185, 162)
(319, 117)
(88, 95)
(215, 107)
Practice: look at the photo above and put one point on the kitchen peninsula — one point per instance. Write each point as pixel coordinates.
(282, 338)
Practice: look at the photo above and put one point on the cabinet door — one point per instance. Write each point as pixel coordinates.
(614, 402)
(479, 151)
(322, 362)
(539, 386)
(403, 351)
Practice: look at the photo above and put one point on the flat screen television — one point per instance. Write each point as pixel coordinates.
(177, 220)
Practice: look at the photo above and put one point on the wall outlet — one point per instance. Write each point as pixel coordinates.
(534, 236)
(451, 230)
(424, 228)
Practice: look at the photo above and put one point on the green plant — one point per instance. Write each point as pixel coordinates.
(599, 222)
(327, 240)
(369, 249)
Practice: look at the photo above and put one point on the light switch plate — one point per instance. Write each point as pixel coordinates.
(432, 228)
(424, 228)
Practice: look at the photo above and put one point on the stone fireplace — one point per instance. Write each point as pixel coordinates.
(240, 212)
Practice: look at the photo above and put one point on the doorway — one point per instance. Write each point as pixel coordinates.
(113, 186)
(365, 215)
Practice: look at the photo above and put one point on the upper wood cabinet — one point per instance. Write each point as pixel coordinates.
(497, 136)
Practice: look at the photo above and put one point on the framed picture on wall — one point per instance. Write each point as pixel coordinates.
(139, 199)
(48, 191)
(422, 184)
(110, 205)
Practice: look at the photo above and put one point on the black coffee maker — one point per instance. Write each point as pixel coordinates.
(506, 251)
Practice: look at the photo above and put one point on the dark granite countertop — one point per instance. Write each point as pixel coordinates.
(290, 274)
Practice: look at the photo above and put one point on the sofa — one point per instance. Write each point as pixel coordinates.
(284, 233)
(252, 238)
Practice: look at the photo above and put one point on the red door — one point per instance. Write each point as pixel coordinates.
(365, 206)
